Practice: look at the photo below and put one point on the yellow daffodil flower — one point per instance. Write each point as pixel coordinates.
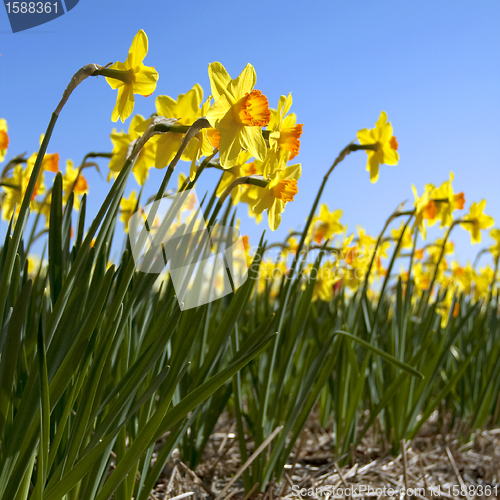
(284, 137)
(387, 145)
(277, 194)
(140, 79)
(446, 201)
(444, 307)
(407, 241)
(4, 139)
(75, 182)
(14, 188)
(326, 224)
(478, 220)
(121, 150)
(422, 277)
(127, 208)
(425, 209)
(241, 168)
(324, 287)
(495, 249)
(238, 113)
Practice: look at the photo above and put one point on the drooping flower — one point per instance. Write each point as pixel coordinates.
(4, 139)
(139, 79)
(122, 148)
(238, 113)
(280, 190)
(477, 220)
(386, 151)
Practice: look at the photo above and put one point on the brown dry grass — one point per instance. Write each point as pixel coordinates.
(431, 466)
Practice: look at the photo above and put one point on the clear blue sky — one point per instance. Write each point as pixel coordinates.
(433, 66)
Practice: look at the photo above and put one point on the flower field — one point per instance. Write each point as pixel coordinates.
(104, 374)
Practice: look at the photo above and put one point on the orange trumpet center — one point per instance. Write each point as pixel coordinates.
(253, 109)
(290, 140)
(393, 143)
(459, 201)
(81, 185)
(4, 140)
(51, 162)
(285, 189)
(430, 210)
(213, 137)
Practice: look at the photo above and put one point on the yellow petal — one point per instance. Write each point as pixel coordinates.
(365, 136)
(373, 167)
(274, 214)
(218, 111)
(253, 141)
(124, 104)
(294, 172)
(219, 79)
(382, 119)
(167, 147)
(229, 146)
(145, 81)
(138, 49)
(244, 83)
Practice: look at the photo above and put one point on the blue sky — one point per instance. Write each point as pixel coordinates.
(434, 67)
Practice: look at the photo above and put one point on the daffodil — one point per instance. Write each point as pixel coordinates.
(444, 307)
(238, 113)
(495, 249)
(426, 211)
(187, 110)
(422, 277)
(386, 151)
(14, 189)
(137, 78)
(4, 139)
(280, 190)
(241, 168)
(284, 137)
(407, 241)
(326, 224)
(127, 208)
(477, 220)
(74, 181)
(327, 276)
(122, 147)
(446, 201)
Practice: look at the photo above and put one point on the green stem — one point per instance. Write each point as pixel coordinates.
(346, 151)
(23, 218)
(127, 77)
